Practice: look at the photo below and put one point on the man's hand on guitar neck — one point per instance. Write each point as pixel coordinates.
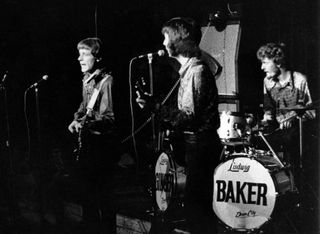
(75, 126)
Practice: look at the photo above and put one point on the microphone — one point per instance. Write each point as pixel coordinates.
(4, 76)
(160, 53)
(45, 77)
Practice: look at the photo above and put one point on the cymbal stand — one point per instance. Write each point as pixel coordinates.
(300, 140)
(272, 151)
(299, 116)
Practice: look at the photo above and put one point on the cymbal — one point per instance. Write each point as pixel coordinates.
(298, 108)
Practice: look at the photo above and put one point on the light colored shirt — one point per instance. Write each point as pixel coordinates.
(291, 93)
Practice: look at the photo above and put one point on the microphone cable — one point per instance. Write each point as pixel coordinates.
(132, 135)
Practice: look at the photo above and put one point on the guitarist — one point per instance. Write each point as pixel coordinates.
(94, 122)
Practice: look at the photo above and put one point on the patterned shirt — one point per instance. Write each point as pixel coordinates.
(197, 98)
(294, 91)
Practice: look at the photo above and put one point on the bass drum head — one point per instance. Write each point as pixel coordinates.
(244, 193)
(165, 180)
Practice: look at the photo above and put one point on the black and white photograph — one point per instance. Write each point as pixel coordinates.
(160, 117)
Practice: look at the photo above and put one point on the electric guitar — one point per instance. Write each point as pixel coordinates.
(83, 131)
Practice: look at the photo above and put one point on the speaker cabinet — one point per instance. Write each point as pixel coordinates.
(223, 46)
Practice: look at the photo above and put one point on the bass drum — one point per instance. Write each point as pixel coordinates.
(170, 182)
(245, 191)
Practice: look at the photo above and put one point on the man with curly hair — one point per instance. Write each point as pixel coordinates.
(285, 91)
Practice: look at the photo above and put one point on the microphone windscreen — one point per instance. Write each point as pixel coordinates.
(161, 53)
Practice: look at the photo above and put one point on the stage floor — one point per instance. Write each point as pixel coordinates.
(136, 210)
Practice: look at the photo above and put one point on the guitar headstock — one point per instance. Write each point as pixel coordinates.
(141, 88)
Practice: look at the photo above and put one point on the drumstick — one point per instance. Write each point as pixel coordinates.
(274, 154)
(288, 118)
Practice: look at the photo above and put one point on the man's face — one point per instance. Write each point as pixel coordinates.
(86, 60)
(269, 67)
(166, 42)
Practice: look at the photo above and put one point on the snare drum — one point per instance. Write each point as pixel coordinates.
(245, 191)
(232, 125)
(170, 181)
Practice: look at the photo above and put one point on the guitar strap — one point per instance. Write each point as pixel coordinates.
(94, 96)
(89, 107)
(93, 75)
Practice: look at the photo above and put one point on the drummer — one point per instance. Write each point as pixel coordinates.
(285, 92)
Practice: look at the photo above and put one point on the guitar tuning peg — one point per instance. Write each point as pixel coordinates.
(143, 81)
(136, 85)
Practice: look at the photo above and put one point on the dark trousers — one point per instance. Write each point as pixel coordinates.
(89, 182)
(202, 153)
(287, 141)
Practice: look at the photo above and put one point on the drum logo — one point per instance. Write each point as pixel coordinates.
(250, 213)
(241, 192)
(238, 167)
(164, 161)
(164, 182)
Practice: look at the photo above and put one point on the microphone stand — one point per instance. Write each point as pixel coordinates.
(39, 159)
(149, 119)
(38, 120)
(9, 150)
(154, 140)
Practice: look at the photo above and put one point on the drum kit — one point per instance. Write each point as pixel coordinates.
(248, 182)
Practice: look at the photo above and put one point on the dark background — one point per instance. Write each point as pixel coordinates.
(39, 37)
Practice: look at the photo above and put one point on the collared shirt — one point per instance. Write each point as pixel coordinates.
(293, 92)
(103, 109)
(197, 98)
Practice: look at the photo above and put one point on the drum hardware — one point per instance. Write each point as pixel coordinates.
(269, 146)
(237, 147)
(300, 111)
(303, 183)
(164, 141)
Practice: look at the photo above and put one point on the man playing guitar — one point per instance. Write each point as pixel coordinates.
(94, 121)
